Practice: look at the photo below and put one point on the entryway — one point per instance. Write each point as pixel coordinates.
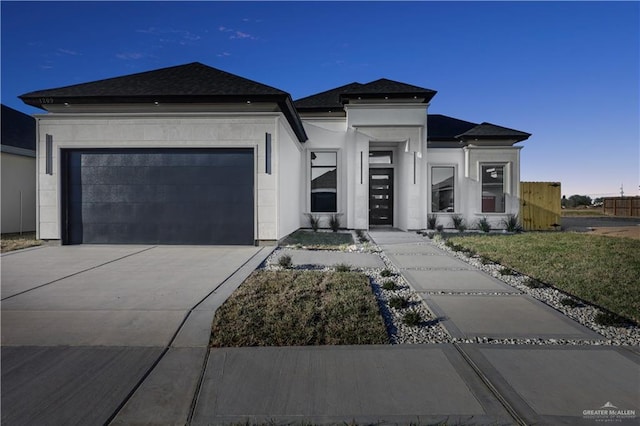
(380, 196)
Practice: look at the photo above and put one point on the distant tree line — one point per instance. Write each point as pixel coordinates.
(579, 200)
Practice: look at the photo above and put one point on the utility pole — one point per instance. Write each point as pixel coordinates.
(621, 190)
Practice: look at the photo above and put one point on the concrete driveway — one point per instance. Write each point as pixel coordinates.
(84, 326)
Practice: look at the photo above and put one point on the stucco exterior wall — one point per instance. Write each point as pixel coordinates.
(509, 157)
(174, 130)
(468, 186)
(18, 186)
(290, 157)
(327, 135)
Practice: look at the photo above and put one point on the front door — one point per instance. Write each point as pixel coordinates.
(380, 196)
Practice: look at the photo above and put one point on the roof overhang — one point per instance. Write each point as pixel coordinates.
(284, 103)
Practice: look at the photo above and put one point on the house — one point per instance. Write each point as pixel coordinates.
(194, 155)
(18, 168)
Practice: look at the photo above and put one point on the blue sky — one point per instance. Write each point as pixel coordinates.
(567, 72)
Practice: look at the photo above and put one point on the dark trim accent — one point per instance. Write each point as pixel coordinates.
(267, 153)
(361, 167)
(65, 177)
(49, 154)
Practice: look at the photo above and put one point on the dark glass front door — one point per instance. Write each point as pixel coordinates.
(380, 196)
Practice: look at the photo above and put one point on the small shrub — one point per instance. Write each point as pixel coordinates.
(507, 271)
(485, 260)
(386, 273)
(512, 223)
(432, 221)
(571, 303)
(610, 319)
(469, 252)
(398, 302)
(343, 267)
(389, 285)
(334, 222)
(361, 237)
(458, 221)
(314, 222)
(462, 227)
(484, 225)
(412, 318)
(453, 246)
(533, 283)
(285, 261)
(439, 228)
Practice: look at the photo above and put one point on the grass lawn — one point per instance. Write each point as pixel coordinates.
(598, 269)
(298, 308)
(16, 241)
(318, 239)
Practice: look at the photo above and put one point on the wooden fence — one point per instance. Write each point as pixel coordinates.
(622, 206)
(540, 207)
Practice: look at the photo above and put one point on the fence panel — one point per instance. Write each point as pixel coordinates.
(540, 206)
(622, 206)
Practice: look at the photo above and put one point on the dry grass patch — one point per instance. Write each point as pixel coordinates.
(602, 270)
(298, 308)
(318, 239)
(11, 242)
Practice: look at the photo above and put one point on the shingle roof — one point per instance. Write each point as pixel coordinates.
(194, 79)
(445, 128)
(384, 87)
(325, 100)
(18, 129)
(335, 98)
(491, 131)
(189, 83)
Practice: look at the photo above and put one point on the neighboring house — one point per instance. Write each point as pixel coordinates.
(18, 169)
(194, 155)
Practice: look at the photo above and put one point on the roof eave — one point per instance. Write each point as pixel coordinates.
(517, 138)
(407, 95)
(284, 102)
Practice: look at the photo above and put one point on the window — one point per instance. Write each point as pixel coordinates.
(324, 182)
(493, 189)
(442, 189)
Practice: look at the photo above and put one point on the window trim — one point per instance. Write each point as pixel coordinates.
(338, 166)
(456, 201)
(505, 186)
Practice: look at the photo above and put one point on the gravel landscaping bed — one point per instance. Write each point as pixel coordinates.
(429, 329)
(570, 306)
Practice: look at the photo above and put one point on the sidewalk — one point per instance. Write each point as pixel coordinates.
(417, 384)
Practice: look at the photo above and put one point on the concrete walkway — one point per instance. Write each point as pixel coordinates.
(87, 330)
(178, 380)
(427, 384)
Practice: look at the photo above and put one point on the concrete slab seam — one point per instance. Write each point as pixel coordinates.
(512, 412)
(196, 394)
(173, 338)
(78, 273)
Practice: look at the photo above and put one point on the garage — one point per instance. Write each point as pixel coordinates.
(158, 196)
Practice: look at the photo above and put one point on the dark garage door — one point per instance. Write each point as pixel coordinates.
(158, 196)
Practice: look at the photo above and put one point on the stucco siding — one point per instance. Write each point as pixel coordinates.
(148, 131)
(18, 193)
(328, 135)
(467, 163)
(288, 167)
